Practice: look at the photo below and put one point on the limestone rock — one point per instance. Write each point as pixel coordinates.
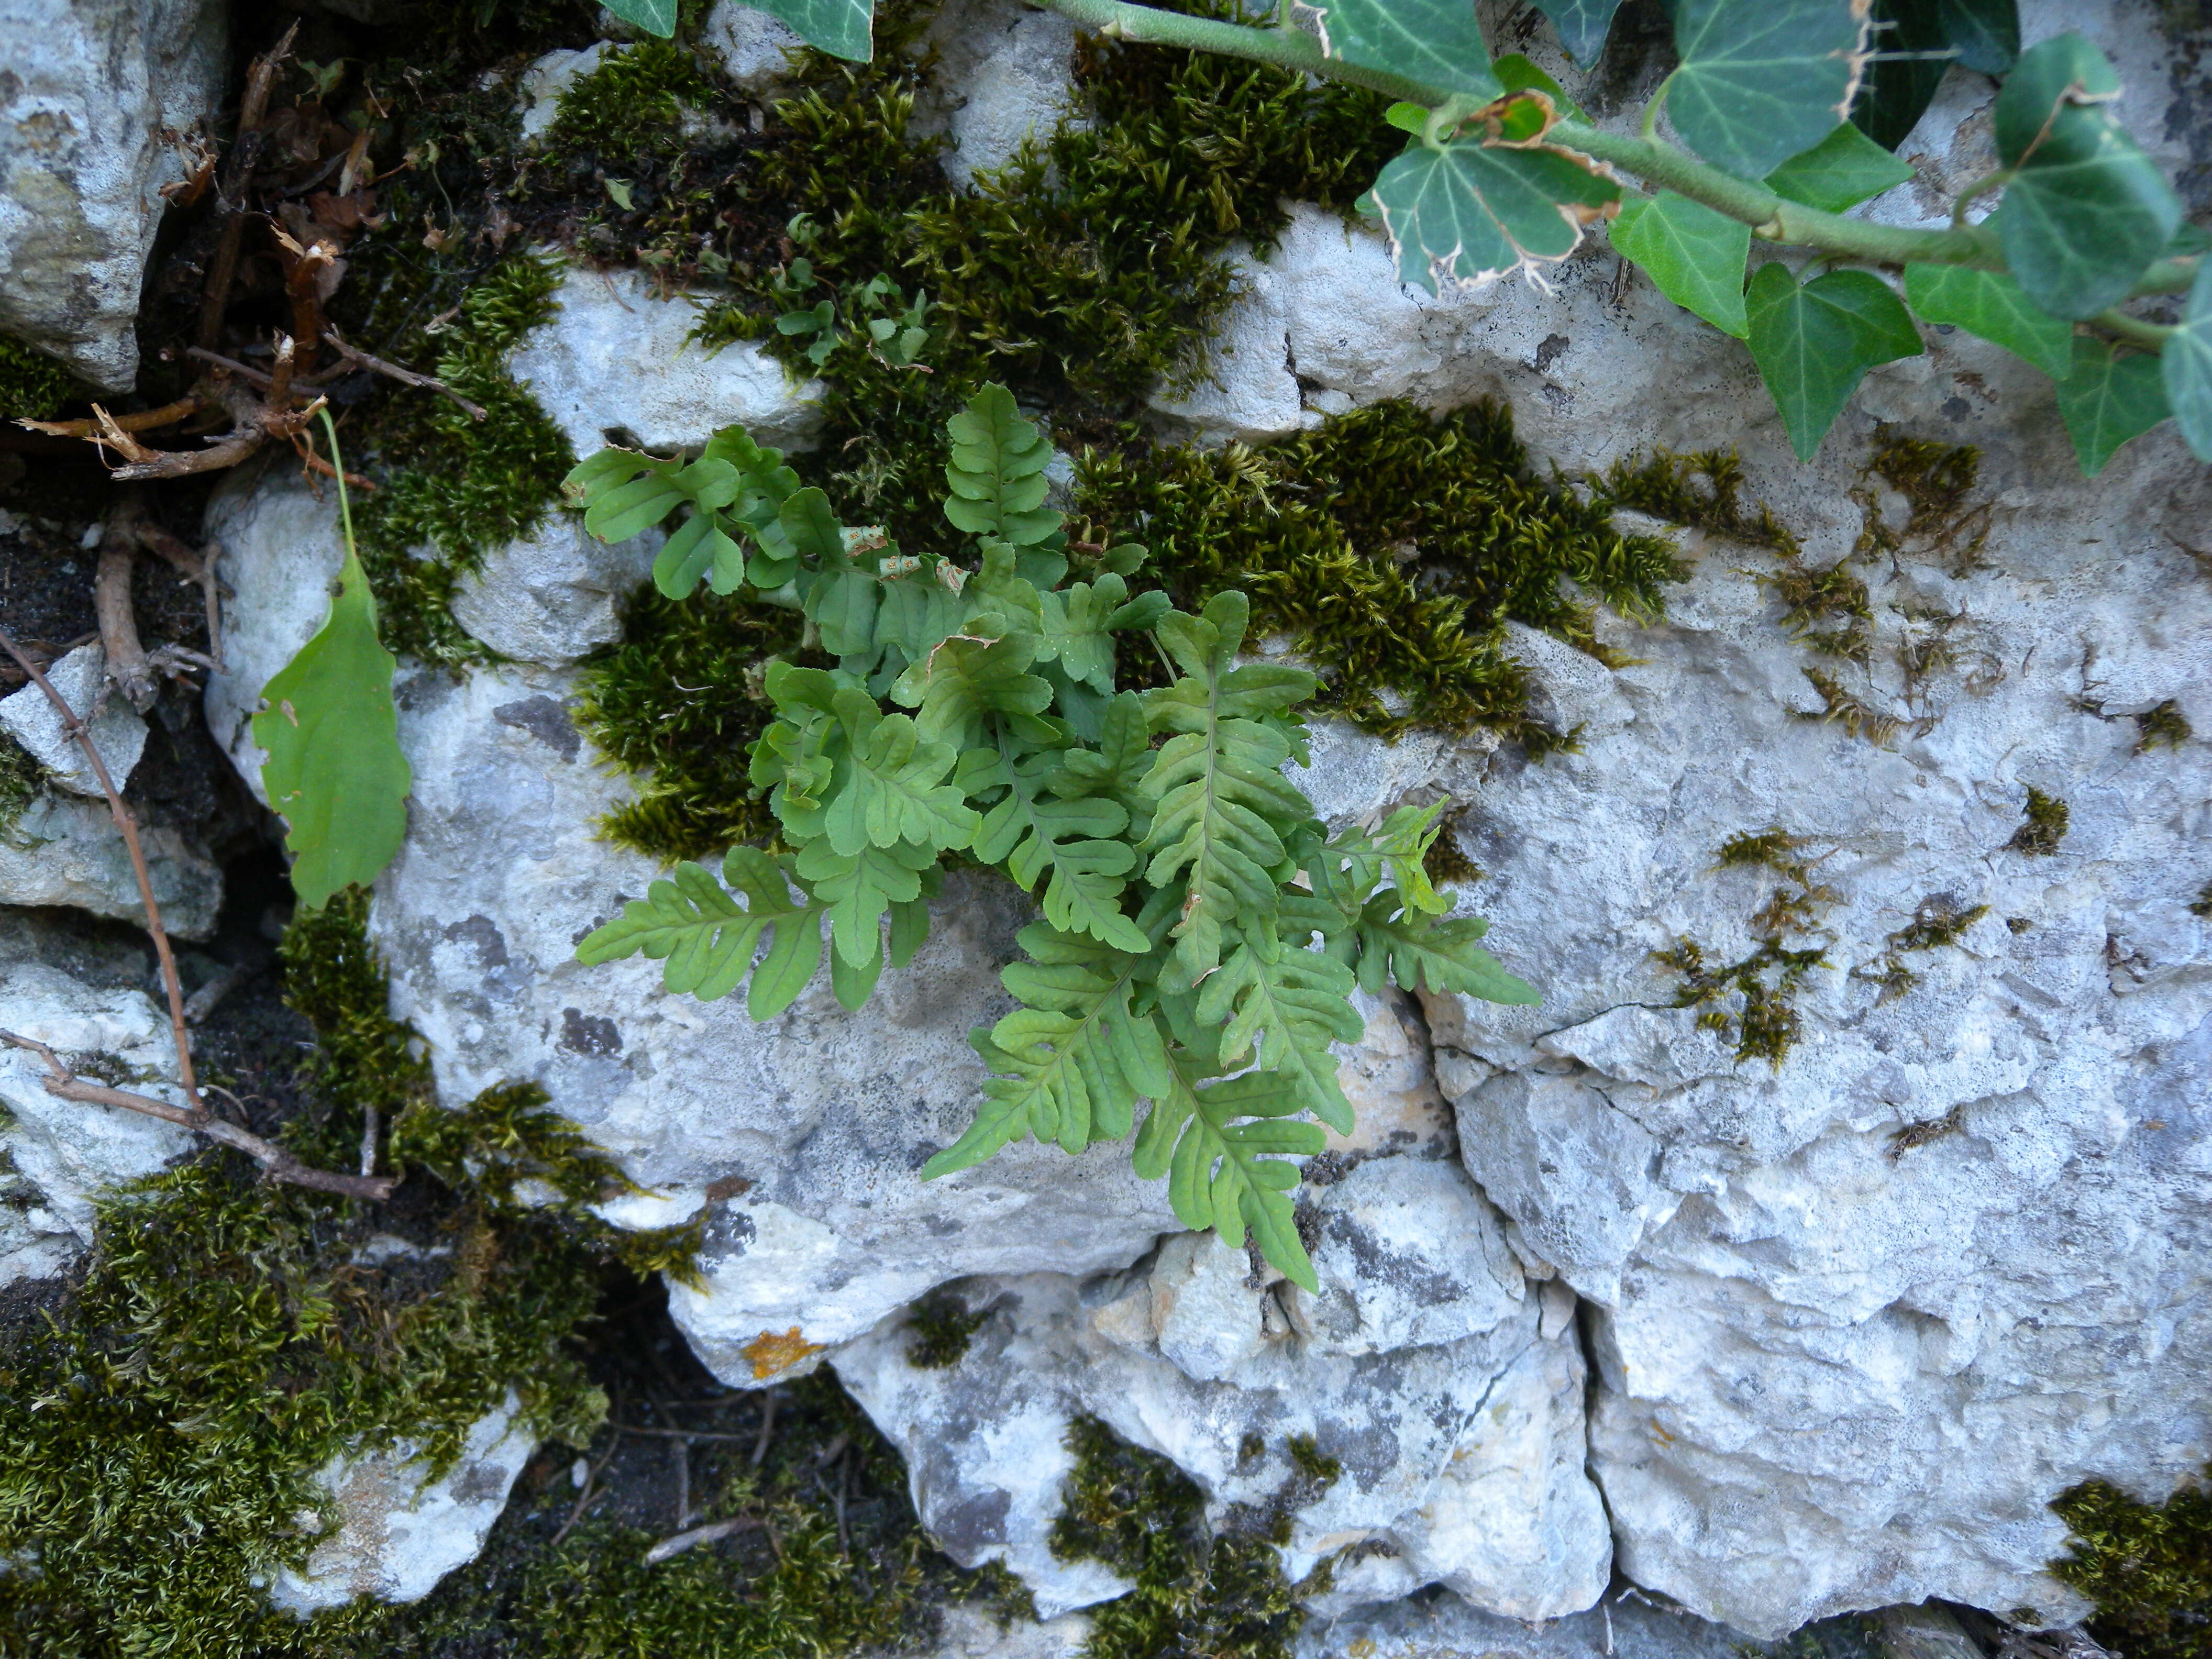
(1627, 1625)
(754, 47)
(969, 1632)
(118, 731)
(614, 366)
(1005, 72)
(89, 87)
(398, 1533)
(555, 595)
(802, 1134)
(64, 850)
(55, 1154)
(547, 79)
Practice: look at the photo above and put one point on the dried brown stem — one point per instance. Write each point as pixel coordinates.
(127, 666)
(231, 365)
(143, 421)
(237, 171)
(361, 359)
(712, 1533)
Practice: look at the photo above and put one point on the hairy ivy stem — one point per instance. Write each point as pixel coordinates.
(1650, 161)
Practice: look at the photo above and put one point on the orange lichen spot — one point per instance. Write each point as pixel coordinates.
(771, 1354)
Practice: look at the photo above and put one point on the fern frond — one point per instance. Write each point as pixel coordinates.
(1231, 1176)
(957, 689)
(1035, 834)
(997, 471)
(1423, 952)
(1295, 1004)
(891, 786)
(707, 939)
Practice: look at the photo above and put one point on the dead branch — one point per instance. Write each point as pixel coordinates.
(127, 666)
(361, 359)
(280, 1164)
(144, 421)
(237, 171)
(714, 1532)
(195, 567)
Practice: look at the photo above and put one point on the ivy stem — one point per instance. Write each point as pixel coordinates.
(1648, 159)
(2135, 330)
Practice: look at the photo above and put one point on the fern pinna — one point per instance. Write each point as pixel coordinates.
(1201, 930)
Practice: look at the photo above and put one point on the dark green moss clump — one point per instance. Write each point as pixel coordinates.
(1752, 1002)
(1198, 1596)
(22, 780)
(2148, 1566)
(1392, 548)
(2163, 728)
(943, 1326)
(32, 386)
(2201, 904)
(2044, 826)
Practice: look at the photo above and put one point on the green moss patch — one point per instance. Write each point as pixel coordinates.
(32, 386)
(2148, 1565)
(2043, 825)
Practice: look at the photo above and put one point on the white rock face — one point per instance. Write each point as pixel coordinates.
(88, 86)
(1427, 1368)
(1625, 1625)
(118, 732)
(754, 47)
(546, 78)
(64, 850)
(397, 1533)
(60, 1153)
(555, 595)
(613, 366)
(1003, 77)
(803, 1133)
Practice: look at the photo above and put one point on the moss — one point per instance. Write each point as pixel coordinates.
(1752, 1002)
(1811, 597)
(1703, 489)
(1197, 1593)
(2201, 904)
(1846, 708)
(2148, 1566)
(943, 1326)
(454, 487)
(635, 101)
(1937, 480)
(32, 386)
(2163, 728)
(22, 779)
(1937, 923)
(1311, 1463)
(1391, 548)
(2044, 825)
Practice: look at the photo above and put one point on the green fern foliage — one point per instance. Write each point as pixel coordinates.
(1201, 932)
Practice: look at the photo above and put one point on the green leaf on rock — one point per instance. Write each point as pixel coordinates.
(1844, 169)
(1761, 80)
(1468, 211)
(654, 16)
(1434, 41)
(1220, 1173)
(2086, 211)
(843, 28)
(1694, 254)
(2111, 397)
(1990, 304)
(707, 939)
(1986, 33)
(2187, 365)
(1814, 343)
(334, 769)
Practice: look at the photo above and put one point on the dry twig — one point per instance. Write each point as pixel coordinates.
(279, 1164)
(358, 358)
(713, 1532)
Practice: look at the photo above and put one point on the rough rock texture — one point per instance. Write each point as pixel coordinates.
(1003, 76)
(397, 1534)
(754, 47)
(55, 1154)
(64, 850)
(555, 595)
(118, 732)
(613, 366)
(90, 86)
(1626, 1625)
(546, 78)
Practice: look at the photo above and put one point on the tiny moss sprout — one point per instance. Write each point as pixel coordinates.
(2043, 825)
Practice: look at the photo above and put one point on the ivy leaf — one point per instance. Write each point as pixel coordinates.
(997, 471)
(1468, 211)
(1990, 304)
(706, 939)
(2187, 366)
(1433, 953)
(334, 769)
(1984, 32)
(843, 28)
(1073, 1060)
(2086, 211)
(1761, 80)
(1903, 73)
(1693, 254)
(1844, 169)
(1582, 24)
(1225, 806)
(894, 787)
(859, 888)
(1516, 73)
(1220, 1173)
(2110, 398)
(1295, 1006)
(1434, 41)
(654, 16)
(967, 680)
(1814, 344)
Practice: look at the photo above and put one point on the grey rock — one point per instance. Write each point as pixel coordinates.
(86, 91)
(1626, 1625)
(549, 77)
(1005, 77)
(802, 1135)
(555, 595)
(118, 731)
(56, 1155)
(615, 365)
(64, 850)
(397, 1533)
(754, 48)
